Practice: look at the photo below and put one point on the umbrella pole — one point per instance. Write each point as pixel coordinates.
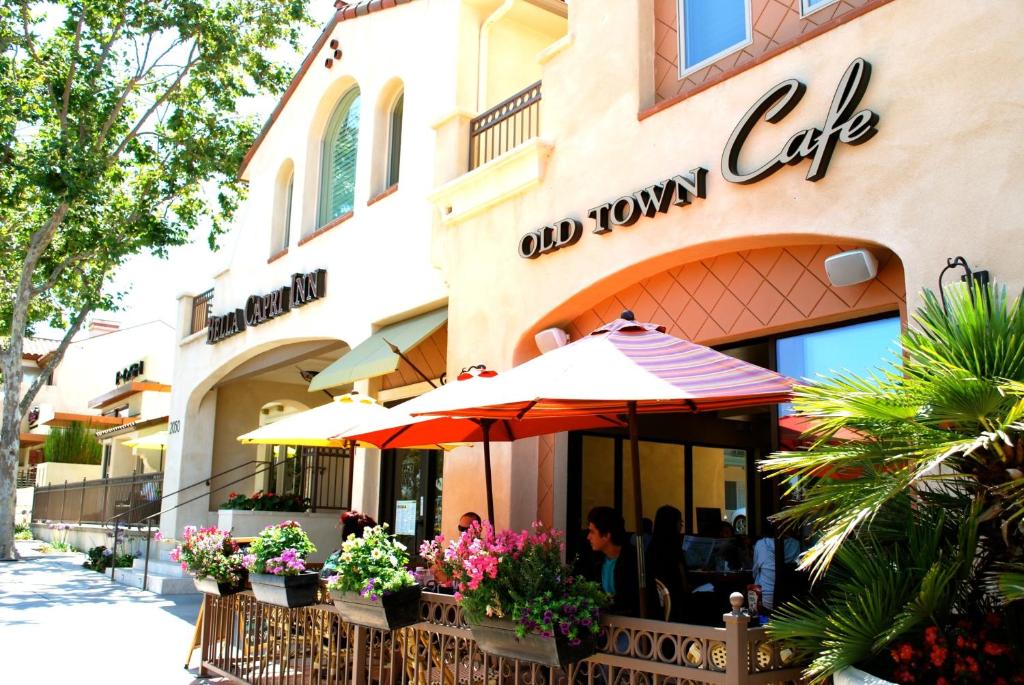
(638, 509)
(485, 424)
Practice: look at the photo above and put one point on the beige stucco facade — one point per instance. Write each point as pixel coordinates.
(939, 179)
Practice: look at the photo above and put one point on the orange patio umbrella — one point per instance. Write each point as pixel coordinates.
(399, 428)
(623, 367)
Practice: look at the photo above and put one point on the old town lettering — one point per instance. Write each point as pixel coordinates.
(841, 125)
(302, 289)
(654, 199)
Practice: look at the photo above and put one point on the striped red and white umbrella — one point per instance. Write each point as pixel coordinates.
(624, 367)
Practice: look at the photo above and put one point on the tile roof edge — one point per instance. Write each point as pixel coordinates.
(346, 12)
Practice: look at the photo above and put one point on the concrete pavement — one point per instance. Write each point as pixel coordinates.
(61, 623)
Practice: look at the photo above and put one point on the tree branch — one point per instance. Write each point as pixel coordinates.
(55, 358)
(37, 245)
(192, 61)
(60, 269)
(30, 44)
(66, 99)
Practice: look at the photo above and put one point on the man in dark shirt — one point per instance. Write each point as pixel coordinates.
(617, 568)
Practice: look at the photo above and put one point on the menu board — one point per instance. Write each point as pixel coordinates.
(405, 517)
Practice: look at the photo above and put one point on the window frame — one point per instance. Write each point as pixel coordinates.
(394, 165)
(806, 10)
(685, 71)
(340, 113)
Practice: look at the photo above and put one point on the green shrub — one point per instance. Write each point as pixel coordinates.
(99, 558)
(75, 444)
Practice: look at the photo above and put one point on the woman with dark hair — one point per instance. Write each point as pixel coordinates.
(665, 560)
(349, 523)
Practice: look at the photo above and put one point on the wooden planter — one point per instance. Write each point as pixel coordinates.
(498, 637)
(209, 586)
(390, 612)
(285, 591)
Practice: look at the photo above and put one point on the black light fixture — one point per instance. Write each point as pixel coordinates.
(969, 277)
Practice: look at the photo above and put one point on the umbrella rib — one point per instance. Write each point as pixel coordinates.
(508, 429)
(395, 436)
(525, 409)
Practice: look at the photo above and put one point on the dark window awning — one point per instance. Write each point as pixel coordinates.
(373, 357)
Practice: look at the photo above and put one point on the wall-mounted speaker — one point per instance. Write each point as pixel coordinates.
(851, 267)
(550, 338)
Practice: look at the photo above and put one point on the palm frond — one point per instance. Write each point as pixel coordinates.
(1007, 582)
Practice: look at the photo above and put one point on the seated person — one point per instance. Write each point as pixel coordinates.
(617, 572)
(467, 520)
(349, 523)
(764, 564)
(665, 562)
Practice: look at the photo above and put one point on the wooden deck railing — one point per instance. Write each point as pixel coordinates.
(246, 641)
(504, 126)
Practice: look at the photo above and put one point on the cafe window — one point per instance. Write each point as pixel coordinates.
(410, 494)
(860, 349)
(710, 30)
(341, 143)
(809, 6)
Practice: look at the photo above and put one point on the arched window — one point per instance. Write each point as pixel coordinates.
(280, 232)
(341, 143)
(395, 139)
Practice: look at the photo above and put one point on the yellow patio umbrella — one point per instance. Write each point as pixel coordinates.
(153, 441)
(320, 426)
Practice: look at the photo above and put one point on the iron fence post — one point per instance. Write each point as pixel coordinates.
(316, 478)
(105, 516)
(131, 498)
(81, 503)
(63, 500)
(113, 550)
(737, 657)
(145, 564)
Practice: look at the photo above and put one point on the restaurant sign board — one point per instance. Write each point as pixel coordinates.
(259, 309)
(843, 124)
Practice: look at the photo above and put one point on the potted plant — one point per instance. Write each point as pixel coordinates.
(372, 586)
(519, 599)
(277, 568)
(213, 559)
(919, 552)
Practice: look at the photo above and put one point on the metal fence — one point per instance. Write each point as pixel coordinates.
(246, 641)
(26, 477)
(98, 501)
(201, 306)
(504, 126)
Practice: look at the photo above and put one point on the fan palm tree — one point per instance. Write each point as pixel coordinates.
(948, 415)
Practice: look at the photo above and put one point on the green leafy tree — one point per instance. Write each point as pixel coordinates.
(74, 444)
(116, 117)
(940, 448)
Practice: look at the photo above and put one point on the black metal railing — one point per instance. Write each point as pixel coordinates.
(133, 498)
(504, 126)
(201, 306)
(27, 477)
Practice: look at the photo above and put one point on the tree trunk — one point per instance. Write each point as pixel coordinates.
(9, 445)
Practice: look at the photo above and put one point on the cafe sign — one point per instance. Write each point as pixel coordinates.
(844, 123)
(259, 309)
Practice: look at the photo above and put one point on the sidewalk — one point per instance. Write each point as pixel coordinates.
(62, 623)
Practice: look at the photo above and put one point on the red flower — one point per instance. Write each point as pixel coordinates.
(942, 681)
(906, 652)
(232, 495)
(993, 620)
(270, 494)
(938, 656)
(931, 634)
(972, 664)
(994, 649)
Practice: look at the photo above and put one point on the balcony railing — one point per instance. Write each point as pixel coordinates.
(504, 126)
(26, 477)
(98, 501)
(247, 641)
(201, 306)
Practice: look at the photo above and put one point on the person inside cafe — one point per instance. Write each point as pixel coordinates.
(467, 520)
(666, 563)
(765, 571)
(349, 523)
(616, 567)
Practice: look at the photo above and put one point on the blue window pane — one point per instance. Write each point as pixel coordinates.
(711, 27)
(860, 349)
(811, 4)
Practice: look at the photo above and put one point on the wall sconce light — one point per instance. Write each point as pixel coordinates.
(969, 277)
(550, 338)
(851, 267)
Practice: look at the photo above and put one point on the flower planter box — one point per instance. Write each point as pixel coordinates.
(285, 591)
(498, 638)
(209, 586)
(854, 676)
(390, 612)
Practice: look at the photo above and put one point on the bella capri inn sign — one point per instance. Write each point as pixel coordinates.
(303, 289)
(843, 124)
